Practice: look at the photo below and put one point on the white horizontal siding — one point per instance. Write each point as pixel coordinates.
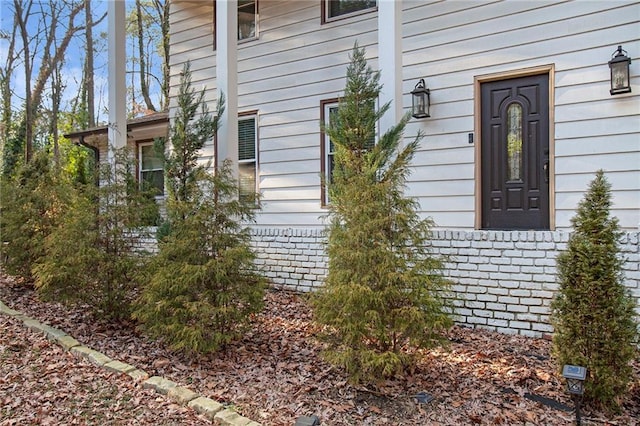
(285, 180)
(624, 215)
(599, 127)
(296, 62)
(588, 163)
(434, 173)
(298, 193)
(440, 188)
(451, 220)
(290, 142)
(293, 154)
(597, 109)
(310, 127)
(620, 143)
(300, 166)
(291, 213)
(450, 43)
(452, 155)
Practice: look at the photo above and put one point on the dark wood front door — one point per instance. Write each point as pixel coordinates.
(515, 153)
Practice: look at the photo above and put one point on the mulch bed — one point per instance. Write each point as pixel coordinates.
(276, 374)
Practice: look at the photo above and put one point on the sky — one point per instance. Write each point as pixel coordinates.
(74, 57)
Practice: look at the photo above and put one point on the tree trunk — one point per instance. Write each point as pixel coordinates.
(162, 9)
(28, 100)
(6, 74)
(56, 97)
(88, 67)
(144, 86)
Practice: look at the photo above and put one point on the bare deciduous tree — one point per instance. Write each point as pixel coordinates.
(162, 10)
(6, 73)
(88, 80)
(44, 46)
(144, 75)
(150, 27)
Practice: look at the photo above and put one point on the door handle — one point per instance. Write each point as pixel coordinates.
(545, 168)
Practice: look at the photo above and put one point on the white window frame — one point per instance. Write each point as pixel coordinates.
(245, 117)
(327, 11)
(328, 153)
(141, 170)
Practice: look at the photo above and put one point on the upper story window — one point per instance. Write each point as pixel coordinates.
(150, 167)
(247, 158)
(334, 9)
(247, 20)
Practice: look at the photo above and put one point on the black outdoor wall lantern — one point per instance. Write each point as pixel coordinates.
(420, 100)
(619, 66)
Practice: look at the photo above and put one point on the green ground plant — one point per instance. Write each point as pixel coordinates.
(202, 286)
(385, 291)
(593, 312)
(31, 203)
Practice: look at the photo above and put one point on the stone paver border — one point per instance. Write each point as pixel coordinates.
(209, 408)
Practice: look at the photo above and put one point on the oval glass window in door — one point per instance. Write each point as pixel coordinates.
(514, 142)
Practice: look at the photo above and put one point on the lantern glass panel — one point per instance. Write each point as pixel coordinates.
(619, 76)
(575, 386)
(420, 104)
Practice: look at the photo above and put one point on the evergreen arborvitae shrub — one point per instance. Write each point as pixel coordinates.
(13, 146)
(385, 290)
(593, 312)
(95, 253)
(31, 203)
(202, 285)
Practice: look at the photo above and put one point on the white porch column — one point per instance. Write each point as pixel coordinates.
(117, 131)
(227, 80)
(390, 60)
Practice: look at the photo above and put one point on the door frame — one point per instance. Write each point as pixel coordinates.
(504, 75)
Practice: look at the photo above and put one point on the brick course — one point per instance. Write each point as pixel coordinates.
(504, 280)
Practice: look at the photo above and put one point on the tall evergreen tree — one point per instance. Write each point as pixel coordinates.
(106, 227)
(384, 290)
(31, 202)
(203, 285)
(192, 128)
(593, 313)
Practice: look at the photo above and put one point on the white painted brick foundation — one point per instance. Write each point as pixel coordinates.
(504, 280)
(293, 259)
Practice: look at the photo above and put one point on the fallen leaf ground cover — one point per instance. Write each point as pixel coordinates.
(42, 384)
(276, 373)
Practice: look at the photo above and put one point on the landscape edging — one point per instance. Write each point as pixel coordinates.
(209, 408)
